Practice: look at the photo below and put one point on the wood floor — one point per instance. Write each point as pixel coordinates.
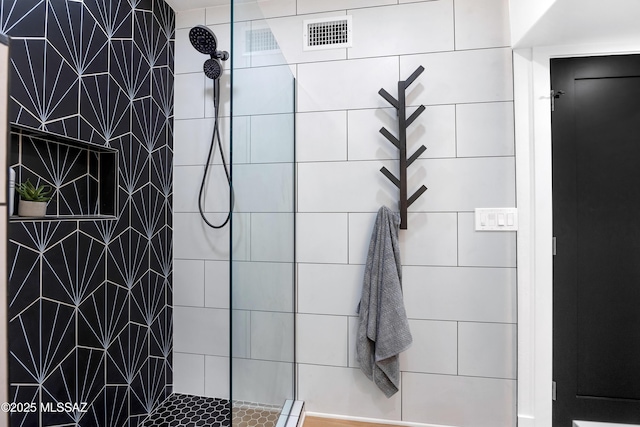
(331, 422)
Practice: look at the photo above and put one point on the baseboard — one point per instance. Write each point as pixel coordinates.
(526, 421)
(371, 420)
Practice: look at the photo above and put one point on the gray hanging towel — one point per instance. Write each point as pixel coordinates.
(383, 328)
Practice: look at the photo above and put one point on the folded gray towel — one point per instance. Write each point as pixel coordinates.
(383, 328)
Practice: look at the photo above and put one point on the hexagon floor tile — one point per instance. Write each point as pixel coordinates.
(183, 410)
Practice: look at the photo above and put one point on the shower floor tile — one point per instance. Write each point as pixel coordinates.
(183, 410)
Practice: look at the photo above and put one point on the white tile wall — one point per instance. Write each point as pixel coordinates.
(224, 104)
(241, 343)
(189, 96)
(487, 350)
(248, 81)
(216, 284)
(190, 18)
(267, 228)
(435, 128)
(267, 129)
(485, 129)
(262, 286)
(430, 240)
(187, 181)
(192, 141)
(483, 248)
(216, 377)
(196, 241)
(459, 285)
(321, 136)
(329, 288)
(272, 336)
(434, 348)
(252, 10)
(218, 14)
(188, 373)
(465, 294)
(322, 86)
(454, 278)
(189, 324)
(344, 391)
(344, 186)
(278, 376)
(458, 401)
(322, 340)
(321, 238)
(311, 6)
(425, 27)
(188, 59)
(483, 75)
(189, 282)
(453, 185)
(353, 334)
(482, 24)
(262, 187)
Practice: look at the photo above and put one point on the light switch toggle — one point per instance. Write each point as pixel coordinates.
(496, 219)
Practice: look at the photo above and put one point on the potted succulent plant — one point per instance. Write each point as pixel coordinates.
(33, 200)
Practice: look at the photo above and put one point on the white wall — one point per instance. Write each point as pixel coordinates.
(460, 285)
(201, 254)
(263, 238)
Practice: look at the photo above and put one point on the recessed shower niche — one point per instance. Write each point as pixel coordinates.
(83, 176)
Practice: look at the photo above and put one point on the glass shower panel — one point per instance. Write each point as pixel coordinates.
(262, 229)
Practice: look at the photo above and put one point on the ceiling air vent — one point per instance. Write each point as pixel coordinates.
(327, 33)
(261, 40)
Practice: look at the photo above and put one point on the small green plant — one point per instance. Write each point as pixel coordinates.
(32, 193)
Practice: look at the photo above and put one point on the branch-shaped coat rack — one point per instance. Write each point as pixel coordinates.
(401, 144)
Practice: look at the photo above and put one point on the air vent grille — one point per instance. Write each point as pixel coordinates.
(261, 40)
(328, 33)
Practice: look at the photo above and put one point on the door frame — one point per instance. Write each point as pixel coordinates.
(532, 105)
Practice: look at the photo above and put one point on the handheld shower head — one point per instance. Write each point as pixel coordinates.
(205, 41)
(212, 68)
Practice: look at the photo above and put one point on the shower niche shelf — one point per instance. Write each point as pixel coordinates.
(83, 176)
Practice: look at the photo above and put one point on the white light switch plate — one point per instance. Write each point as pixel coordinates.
(496, 219)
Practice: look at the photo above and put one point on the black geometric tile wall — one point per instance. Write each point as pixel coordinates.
(90, 315)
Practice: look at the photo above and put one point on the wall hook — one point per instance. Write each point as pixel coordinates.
(401, 144)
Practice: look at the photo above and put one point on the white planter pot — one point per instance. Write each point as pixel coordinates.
(33, 209)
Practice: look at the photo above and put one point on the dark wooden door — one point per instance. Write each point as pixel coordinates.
(596, 222)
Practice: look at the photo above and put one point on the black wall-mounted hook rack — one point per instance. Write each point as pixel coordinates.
(401, 144)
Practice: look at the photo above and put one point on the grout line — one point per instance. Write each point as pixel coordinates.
(453, 15)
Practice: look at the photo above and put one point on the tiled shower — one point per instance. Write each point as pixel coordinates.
(138, 302)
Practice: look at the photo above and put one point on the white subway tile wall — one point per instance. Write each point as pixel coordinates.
(459, 284)
(201, 267)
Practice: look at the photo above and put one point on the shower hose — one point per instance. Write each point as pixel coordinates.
(215, 137)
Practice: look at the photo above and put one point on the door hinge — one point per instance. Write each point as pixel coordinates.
(555, 95)
(554, 394)
(553, 242)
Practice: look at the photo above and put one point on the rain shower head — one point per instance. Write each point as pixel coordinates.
(204, 41)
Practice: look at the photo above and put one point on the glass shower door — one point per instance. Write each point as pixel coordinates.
(262, 228)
